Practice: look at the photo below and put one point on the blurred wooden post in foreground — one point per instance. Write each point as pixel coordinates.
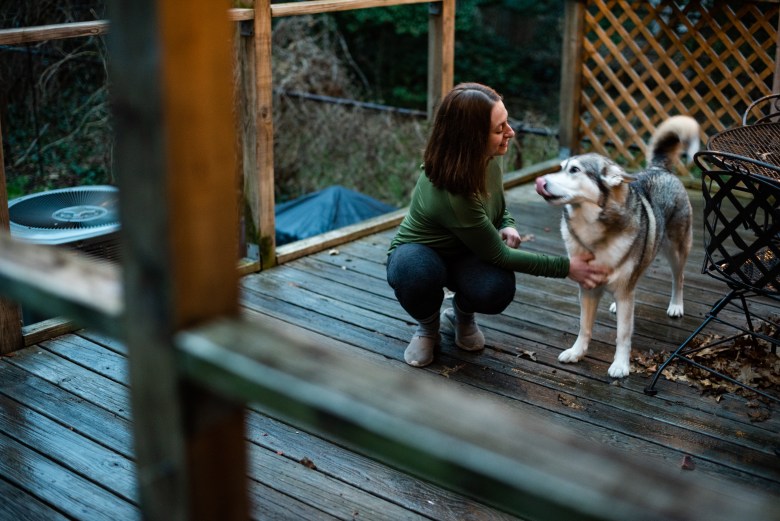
(175, 164)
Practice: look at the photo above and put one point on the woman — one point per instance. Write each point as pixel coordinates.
(458, 233)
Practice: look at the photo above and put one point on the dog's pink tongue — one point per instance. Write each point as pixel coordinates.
(540, 187)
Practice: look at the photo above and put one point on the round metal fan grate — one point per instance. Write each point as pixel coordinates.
(74, 208)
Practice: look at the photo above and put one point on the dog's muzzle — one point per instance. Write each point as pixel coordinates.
(541, 189)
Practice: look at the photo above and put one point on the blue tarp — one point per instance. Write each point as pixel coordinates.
(319, 212)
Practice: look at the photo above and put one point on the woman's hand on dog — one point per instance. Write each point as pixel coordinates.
(585, 273)
(510, 237)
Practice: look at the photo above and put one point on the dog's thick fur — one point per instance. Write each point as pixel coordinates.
(624, 221)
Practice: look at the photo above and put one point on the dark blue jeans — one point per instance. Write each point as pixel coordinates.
(418, 275)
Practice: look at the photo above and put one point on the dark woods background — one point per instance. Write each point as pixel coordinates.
(53, 101)
(54, 96)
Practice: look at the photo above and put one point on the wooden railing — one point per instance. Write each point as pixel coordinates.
(194, 363)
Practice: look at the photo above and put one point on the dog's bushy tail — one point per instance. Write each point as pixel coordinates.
(674, 136)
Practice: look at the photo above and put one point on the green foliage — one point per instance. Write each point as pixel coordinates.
(528, 7)
(17, 186)
(390, 46)
(55, 119)
(512, 45)
(404, 20)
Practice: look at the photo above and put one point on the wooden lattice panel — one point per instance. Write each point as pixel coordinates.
(645, 61)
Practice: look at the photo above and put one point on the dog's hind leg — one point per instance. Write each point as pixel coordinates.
(676, 307)
(676, 254)
(625, 329)
(589, 302)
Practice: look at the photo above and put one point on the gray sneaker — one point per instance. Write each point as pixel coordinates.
(419, 352)
(467, 336)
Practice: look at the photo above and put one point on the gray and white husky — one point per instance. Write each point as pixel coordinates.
(624, 221)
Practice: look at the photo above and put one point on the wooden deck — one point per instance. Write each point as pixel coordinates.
(65, 419)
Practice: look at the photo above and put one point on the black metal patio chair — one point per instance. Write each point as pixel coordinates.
(763, 110)
(742, 249)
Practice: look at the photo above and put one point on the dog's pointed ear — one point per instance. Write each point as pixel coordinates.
(612, 174)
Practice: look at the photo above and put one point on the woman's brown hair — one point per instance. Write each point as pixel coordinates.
(455, 157)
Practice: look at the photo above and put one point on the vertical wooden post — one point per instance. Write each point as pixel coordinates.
(776, 82)
(262, 182)
(257, 134)
(175, 162)
(246, 134)
(441, 52)
(11, 337)
(571, 77)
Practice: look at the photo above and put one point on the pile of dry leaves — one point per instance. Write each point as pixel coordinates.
(755, 365)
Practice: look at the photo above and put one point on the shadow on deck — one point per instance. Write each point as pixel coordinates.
(65, 428)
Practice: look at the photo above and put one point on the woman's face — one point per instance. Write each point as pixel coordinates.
(500, 131)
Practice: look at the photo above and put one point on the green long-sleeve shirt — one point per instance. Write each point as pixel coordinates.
(453, 224)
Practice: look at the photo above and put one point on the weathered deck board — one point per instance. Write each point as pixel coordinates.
(17, 504)
(65, 420)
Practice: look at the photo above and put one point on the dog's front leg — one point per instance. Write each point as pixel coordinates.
(625, 329)
(589, 301)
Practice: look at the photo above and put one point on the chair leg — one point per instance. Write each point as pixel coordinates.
(650, 389)
(712, 315)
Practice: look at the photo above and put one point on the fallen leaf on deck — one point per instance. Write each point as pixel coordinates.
(306, 462)
(687, 463)
(759, 415)
(334, 251)
(570, 402)
(447, 371)
(738, 358)
(531, 355)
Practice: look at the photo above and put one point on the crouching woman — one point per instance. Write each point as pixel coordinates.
(458, 233)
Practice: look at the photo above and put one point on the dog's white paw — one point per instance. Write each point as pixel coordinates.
(613, 307)
(619, 369)
(675, 310)
(571, 355)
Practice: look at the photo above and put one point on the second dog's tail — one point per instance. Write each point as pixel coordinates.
(674, 136)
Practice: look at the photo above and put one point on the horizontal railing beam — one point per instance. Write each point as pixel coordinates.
(22, 35)
(411, 419)
(318, 7)
(60, 282)
(331, 239)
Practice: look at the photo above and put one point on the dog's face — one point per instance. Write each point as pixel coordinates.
(583, 178)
